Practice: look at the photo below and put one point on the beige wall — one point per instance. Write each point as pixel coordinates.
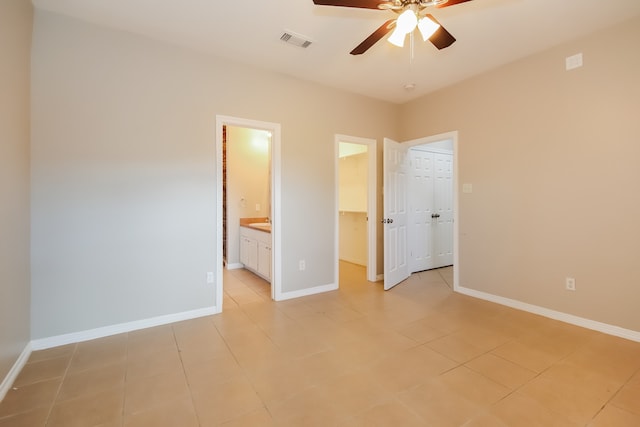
(352, 203)
(15, 52)
(352, 245)
(123, 158)
(553, 159)
(247, 182)
(353, 183)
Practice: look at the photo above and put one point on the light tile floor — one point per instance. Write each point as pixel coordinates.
(418, 355)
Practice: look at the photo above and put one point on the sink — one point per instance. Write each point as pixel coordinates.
(261, 224)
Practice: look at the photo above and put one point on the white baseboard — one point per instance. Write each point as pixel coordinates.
(56, 341)
(234, 266)
(306, 292)
(8, 381)
(361, 263)
(552, 314)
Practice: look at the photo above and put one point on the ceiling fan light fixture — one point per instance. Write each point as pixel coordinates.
(411, 14)
(407, 21)
(427, 27)
(397, 38)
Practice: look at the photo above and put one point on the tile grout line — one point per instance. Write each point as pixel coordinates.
(184, 372)
(64, 377)
(613, 396)
(245, 374)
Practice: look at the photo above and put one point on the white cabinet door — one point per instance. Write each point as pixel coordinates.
(255, 251)
(244, 250)
(264, 260)
(249, 252)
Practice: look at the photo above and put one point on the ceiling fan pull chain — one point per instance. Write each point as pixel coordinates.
(411, 48)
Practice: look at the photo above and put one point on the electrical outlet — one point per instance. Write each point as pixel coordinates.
(570, 283)
(210, 277)
(302, 265)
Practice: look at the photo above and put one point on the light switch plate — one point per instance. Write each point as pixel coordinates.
(467, 188)
(574, 61)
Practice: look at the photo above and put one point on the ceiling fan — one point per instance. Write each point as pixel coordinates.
(411, 15)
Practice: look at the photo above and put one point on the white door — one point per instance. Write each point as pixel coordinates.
(430, 210)
(443, 197)
(395, 165)
(421, 205)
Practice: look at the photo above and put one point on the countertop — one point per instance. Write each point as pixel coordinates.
(246, 222)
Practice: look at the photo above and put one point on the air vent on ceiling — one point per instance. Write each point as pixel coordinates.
(295, 39)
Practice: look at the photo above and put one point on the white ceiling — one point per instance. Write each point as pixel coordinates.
(489, 33)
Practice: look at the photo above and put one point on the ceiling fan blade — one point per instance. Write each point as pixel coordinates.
(451, 3)
(362, 4)
(441, 38)
(373, 38)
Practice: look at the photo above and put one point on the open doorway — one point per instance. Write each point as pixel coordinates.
(256, 199)
(356, 203)
(246, 188)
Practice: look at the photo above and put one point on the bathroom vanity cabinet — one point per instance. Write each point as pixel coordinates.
(255, 251)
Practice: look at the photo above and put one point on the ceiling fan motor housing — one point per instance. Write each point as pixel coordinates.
(427, 3)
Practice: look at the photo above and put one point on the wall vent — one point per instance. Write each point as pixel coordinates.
(295, 39)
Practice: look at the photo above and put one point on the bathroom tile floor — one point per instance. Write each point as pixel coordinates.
(418, 355)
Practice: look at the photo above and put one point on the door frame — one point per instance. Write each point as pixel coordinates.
(372, 256)
(276, 232)
(453, 136)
